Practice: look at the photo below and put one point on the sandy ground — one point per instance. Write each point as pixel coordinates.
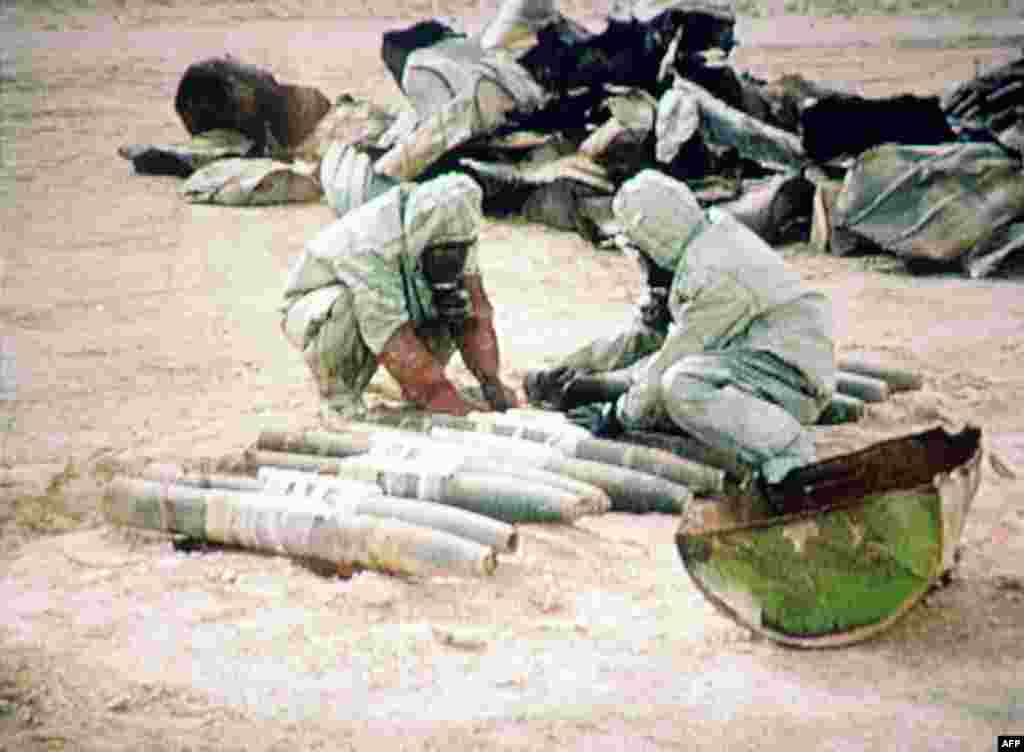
(140, 327)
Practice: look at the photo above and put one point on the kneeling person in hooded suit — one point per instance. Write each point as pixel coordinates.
(395, 283)
(742, 357)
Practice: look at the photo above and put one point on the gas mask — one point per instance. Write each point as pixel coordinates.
(444, 267)
(653, 306)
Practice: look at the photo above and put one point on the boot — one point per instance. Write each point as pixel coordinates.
(419, 374)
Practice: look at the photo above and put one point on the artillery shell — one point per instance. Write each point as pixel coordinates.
(596, 499)
(698, 477)
(863, 388)
(359, 497)
(277, 524)
(323, 443)
(512, 499)
(310, 463)
(689, 448)
(898, 379)
(502, 497)
(482, 529)
(170, 473)
(629, 490)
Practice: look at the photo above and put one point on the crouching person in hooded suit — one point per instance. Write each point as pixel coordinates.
(744, 359)
(395, 283)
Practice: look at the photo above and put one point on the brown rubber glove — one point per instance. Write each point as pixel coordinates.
(478, 344)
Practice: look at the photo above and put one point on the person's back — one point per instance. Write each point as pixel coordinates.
(459, 92)
(783, 318)
(748, 359)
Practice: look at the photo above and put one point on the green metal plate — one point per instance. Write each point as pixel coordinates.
(844, 566)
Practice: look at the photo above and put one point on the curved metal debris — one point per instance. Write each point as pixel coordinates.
(858, 540)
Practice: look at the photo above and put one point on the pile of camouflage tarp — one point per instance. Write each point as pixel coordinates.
(551, 119)
(246, 130)
(960, 202)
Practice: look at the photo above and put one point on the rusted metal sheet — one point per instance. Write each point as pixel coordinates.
(839, 550)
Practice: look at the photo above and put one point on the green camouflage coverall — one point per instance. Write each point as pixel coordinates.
(748, 359)
(360, 279)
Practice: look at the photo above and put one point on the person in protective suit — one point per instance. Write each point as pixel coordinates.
(460, 87)
(731, 348)
(533, 67)
(395, 283)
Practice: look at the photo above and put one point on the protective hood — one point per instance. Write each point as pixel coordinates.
(443, 210)
(659, 215)
(348, 179)
(371, 239)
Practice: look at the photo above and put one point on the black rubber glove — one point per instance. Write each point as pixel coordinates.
(497, 396)
(545, 387)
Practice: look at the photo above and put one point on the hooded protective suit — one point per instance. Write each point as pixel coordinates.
(459, 91)
(749, 356)
(361, 279)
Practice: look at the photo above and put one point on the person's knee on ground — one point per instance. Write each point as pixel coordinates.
(322, 326)
(760, 433)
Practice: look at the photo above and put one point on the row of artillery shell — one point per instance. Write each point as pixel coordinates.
(627, 489)
(306, 530)
(511, 498)
(860, 381)
(487, 531)
(698, 477)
